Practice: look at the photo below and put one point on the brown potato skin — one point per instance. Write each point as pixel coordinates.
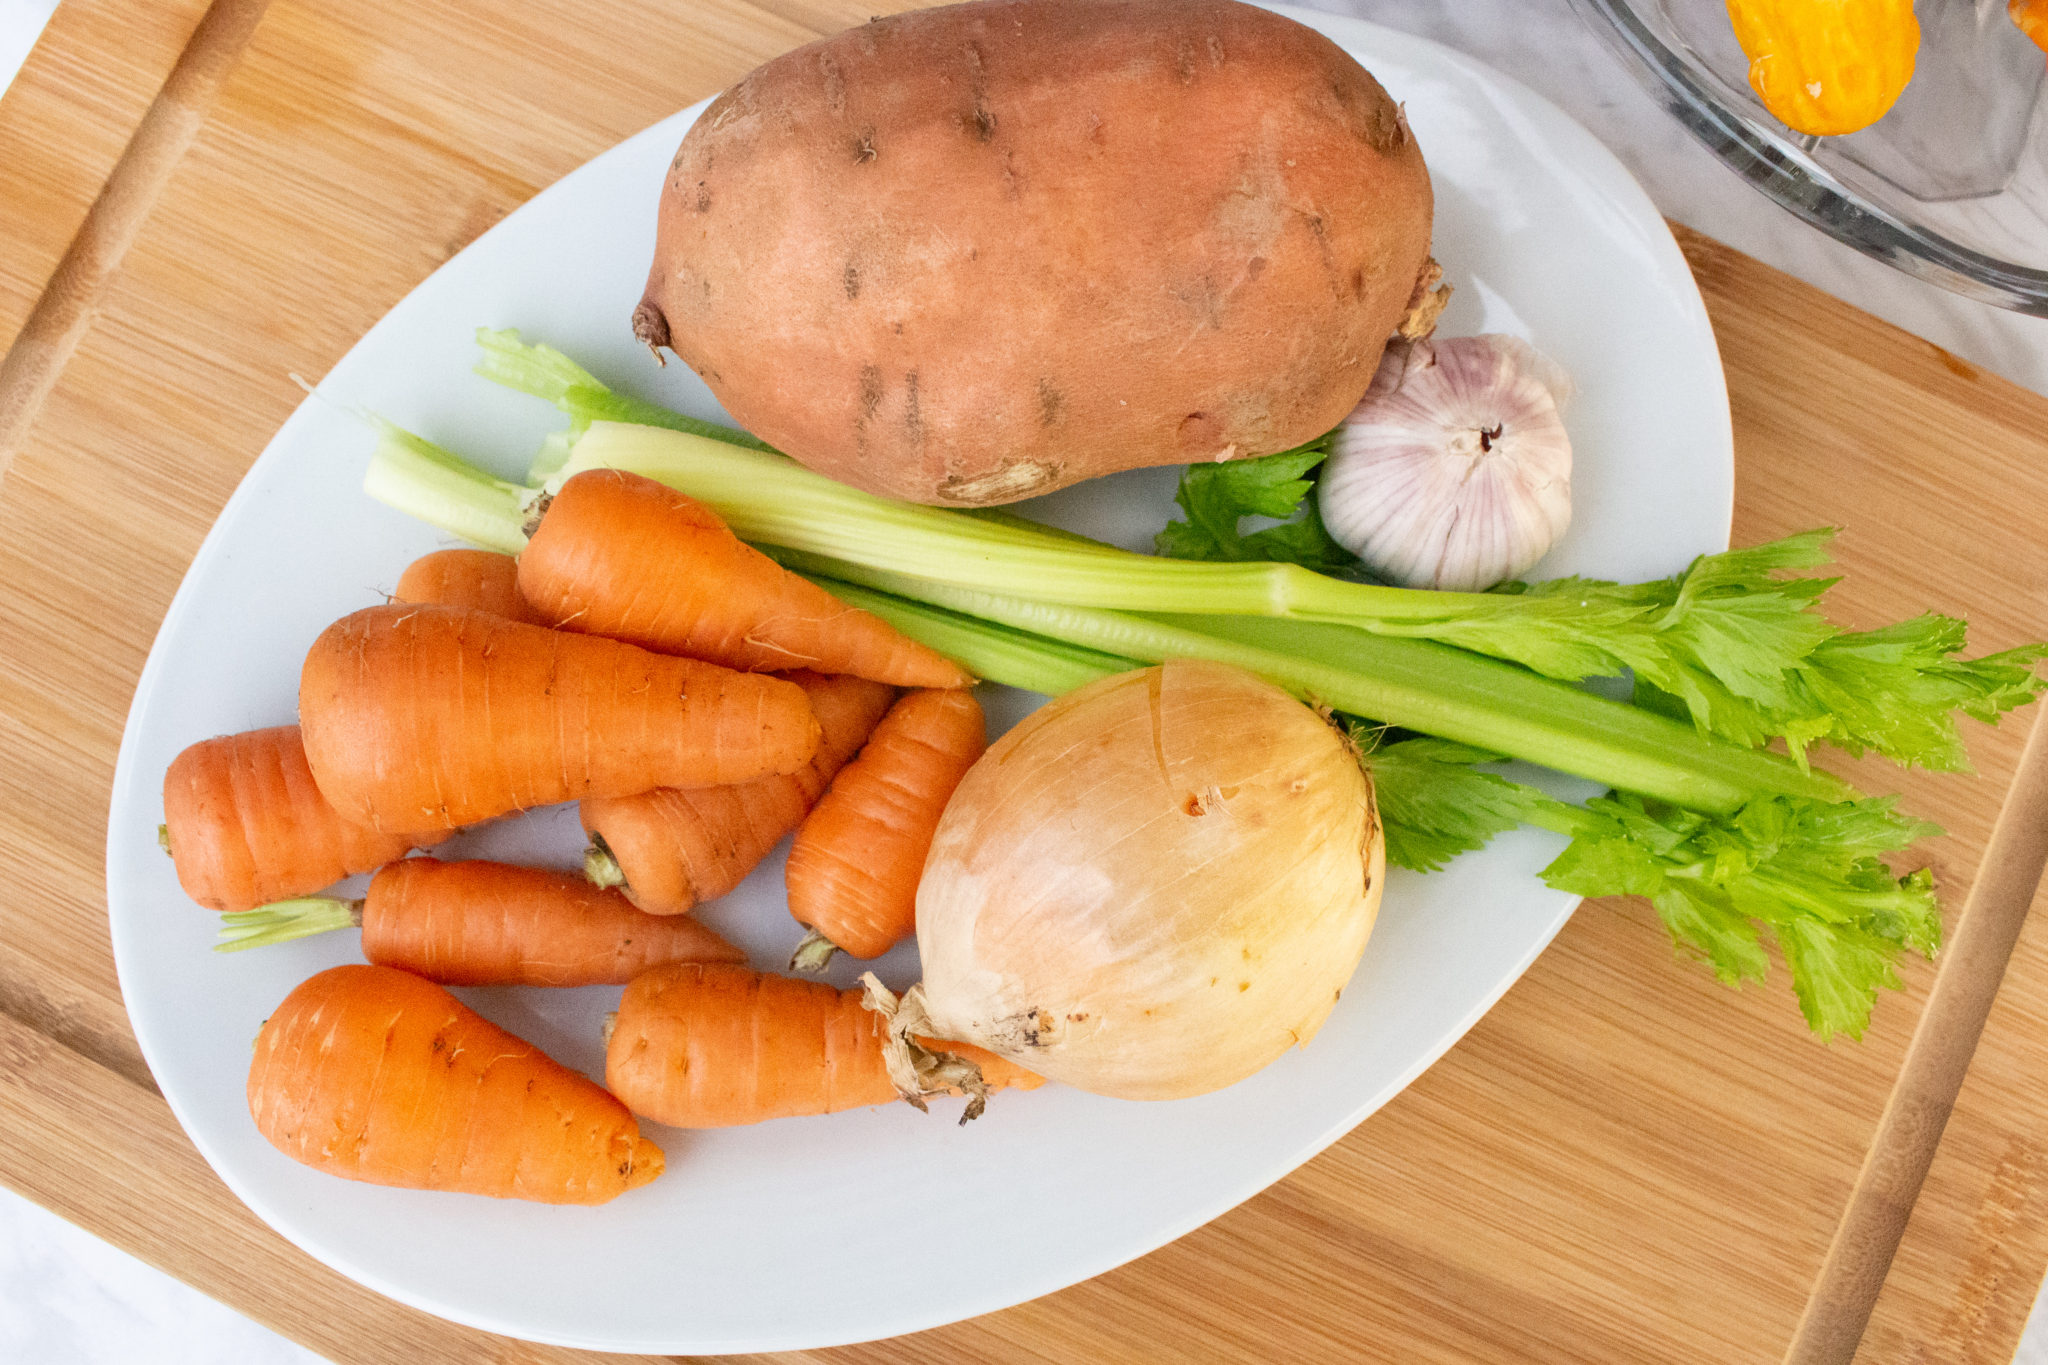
(972, 254)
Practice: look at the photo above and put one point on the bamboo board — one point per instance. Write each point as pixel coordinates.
(1624, 1161)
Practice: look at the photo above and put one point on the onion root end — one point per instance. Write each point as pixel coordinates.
(916, 1069)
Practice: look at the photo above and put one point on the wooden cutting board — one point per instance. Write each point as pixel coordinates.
(1623, 1162)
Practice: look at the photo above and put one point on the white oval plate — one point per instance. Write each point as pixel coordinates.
(814, 1232)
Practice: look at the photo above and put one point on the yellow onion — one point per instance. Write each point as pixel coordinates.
(1150, 889)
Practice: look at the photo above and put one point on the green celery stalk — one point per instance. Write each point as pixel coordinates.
(772, 499)
(1774, 850)
(1735, 641)
(1807, 873)
(991, 652)
(545, 372)
(441, 488)
(1414, 684)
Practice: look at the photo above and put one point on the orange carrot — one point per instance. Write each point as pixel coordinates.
(710, 1047)
(244, 823)
(623, 556)
(373, 1074)
(672, 848)
(490, 924)
(482, 579)
(854, 868)
(430, 717)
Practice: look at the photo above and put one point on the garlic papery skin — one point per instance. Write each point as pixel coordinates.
(1454, 471)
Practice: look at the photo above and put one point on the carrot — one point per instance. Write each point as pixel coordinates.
(489, 924)
(429, 717)
(855, 865)
(620, 555)
(672, 848)
(244, 823)
(482, 579)
(373, 1074)
(714, 1046)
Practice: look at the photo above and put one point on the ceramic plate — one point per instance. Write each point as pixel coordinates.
(897, 1220)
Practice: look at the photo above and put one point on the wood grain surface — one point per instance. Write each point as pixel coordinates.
(1623, 1162)
(69, 301)
(66, 119)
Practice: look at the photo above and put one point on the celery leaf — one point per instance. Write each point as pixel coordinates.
(1216, 497)
(1897, 690)
(1747, 656)
(1808, 872)
(1435, 805)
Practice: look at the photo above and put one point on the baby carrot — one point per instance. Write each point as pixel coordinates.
(620, 555)
(713, 1046)
(430, 717)
(482, 579)
(855, 865)
(671, 848)
(244, 823)
(490, 924)
(373, 1074)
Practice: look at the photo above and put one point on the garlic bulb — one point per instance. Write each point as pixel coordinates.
(1150, 889)
(1454, 471)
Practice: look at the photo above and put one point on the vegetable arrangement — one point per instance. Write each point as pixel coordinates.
(1735, 843)
(1162, 880)
(449, 706)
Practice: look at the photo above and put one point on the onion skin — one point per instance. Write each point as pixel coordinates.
(1152, 887)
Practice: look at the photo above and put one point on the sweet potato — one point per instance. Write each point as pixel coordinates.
(970, 254)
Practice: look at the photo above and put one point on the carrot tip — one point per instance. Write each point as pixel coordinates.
(646, 1162)
(601, 866)
(814, 954)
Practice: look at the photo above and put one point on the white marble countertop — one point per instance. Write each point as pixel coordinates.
(65, 1296)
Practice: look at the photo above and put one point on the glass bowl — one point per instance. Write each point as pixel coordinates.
(1951, 185)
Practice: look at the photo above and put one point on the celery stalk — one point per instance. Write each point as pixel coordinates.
(545, 372)
(1735, 641)
(769, 498)
(1730, 844)
(992, 652)
(1414, 684)
(423, 480)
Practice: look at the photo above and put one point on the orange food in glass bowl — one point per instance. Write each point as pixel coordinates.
(1827, 67)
